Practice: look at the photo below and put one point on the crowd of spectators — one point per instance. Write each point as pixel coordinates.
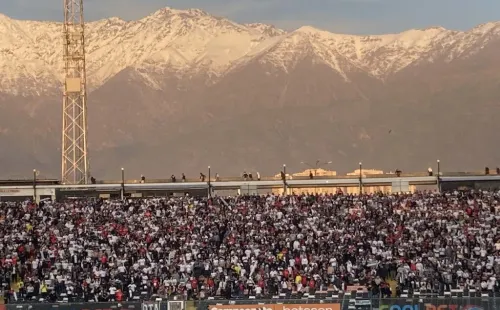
(249, 245)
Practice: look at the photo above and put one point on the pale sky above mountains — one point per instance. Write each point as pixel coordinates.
(341, 16)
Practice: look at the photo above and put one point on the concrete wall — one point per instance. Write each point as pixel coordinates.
(15, 192)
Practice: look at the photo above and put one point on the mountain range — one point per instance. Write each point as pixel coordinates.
(180, 90)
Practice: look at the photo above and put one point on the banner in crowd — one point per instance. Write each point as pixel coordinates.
(276, 307)
(360, 288)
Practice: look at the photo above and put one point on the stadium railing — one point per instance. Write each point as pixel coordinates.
(344, 303)
(237, 179)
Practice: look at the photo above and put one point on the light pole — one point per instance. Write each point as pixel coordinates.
(34, 185)
(316, 165)
(360, 178)
(284, 179)
(209, 184)
(438, 180)
(123, 184)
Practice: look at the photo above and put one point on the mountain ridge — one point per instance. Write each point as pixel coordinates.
(177, 91)
(193, 41)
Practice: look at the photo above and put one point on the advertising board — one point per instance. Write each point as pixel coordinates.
(150, 306)
(163, 305)
(430, 306)
(324, 306)
(76, 306)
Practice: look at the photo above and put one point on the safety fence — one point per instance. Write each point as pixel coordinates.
(437, 303)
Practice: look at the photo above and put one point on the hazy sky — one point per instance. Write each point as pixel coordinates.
(344, 16)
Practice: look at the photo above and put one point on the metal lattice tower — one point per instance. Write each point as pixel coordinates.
(75, 165)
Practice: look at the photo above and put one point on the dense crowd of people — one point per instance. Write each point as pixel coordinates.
(249, 245)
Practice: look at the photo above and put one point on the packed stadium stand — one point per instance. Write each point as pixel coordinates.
(272, 246)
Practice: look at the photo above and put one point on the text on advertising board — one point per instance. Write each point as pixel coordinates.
(276, 307)
(150, 306)
(430, 307)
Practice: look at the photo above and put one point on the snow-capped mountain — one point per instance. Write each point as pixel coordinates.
(190, 42)
(181, 89)
(184, 41)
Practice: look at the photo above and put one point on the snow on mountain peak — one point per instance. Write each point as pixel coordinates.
(168, 12)
(379, 55)
(180, 40)
(266, 29)
(115, 20)
(493, 27)
(3, 17)
(308, 29)
(438, 28)
(192, 41)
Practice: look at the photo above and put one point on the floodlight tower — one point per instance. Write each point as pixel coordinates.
(75, 165)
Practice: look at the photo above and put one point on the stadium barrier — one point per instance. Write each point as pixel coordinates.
(75, 306)
(414, 303)
(427, 303)
(153, 305)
